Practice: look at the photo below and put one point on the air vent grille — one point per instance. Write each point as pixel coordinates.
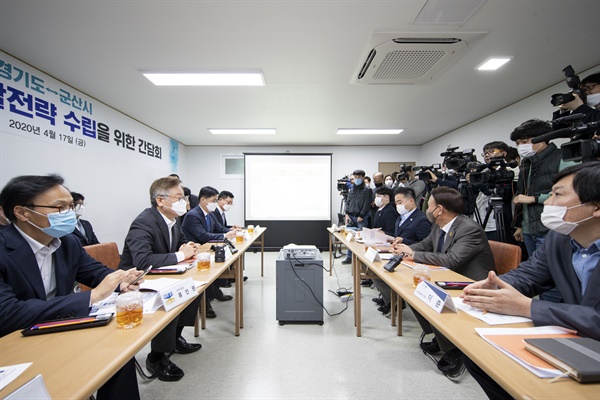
(407, 64)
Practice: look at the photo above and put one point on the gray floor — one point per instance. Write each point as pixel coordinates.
(268, 361)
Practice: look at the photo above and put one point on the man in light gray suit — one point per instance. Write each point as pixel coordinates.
(458, 243)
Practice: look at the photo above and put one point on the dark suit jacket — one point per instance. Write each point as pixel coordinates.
(219, 218)
(147, 242)
(386, 219)
(22, 296)
(194, 227)
(466, 249)
(416, 228)
(551, 265)
(89, 232)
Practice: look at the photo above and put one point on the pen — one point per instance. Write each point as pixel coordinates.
(63, 323)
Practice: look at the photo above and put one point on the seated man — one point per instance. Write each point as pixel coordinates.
(201, 225)
(569, 259)
(411, 226)
(224, 203)
(83, 230)
(386, 215)
(155, 238)
(458, 243)
(40, 262)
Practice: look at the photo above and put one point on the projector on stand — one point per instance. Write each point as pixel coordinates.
(300, 252)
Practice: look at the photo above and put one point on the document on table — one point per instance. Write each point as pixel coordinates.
(412, 264)
(11, 372)
(488, 317)
(511, 341)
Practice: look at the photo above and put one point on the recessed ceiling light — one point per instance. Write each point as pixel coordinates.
(241, 131)
(206, 78)
(492, 64)
(344, 131)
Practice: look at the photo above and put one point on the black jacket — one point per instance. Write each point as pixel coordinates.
(359, 201)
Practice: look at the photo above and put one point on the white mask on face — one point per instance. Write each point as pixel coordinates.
(378, 201)
(401, 209)
(552, 218)
(389, 182)
(593, 100)
(80, 211)
(179, 207)
(525, 150)
(211, 206)
(227, 207)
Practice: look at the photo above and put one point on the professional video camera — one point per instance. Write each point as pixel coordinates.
(458, 160)
(573, 83)
(421, 171)
(403, 173)
(493, 173)
(343, 185)
(583, 146)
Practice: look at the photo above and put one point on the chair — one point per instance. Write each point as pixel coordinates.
(506, 256)
(106, 253)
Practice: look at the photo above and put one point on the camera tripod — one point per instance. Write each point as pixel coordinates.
(496, 204)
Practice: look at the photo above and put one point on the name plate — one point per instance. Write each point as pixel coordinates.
(372, 254)
(434, 297)
(349, 237)
(228, 252)
(177, 293)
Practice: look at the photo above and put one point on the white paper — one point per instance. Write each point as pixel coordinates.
(489, 317)
(11, 372)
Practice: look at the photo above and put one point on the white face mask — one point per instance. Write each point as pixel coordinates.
(227, 207)
(593, 100)
(401, 209)
(179, 207)
(525, 150)
(79, 212)
(552, 218)
(378, 201)
(389, 182)
(211, 206)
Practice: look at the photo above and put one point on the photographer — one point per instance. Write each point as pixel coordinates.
(358, 206)
(539, 163)
(590, 105)
(416, 184)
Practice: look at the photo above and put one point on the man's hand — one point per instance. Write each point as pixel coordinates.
(188, 250)
(497, 296)
(522, 199)
(111, 281)
(434, 178)
(518, 235)
(397, 240)
(402, 248)
(359, 219)
(230, 235)
(573, 104)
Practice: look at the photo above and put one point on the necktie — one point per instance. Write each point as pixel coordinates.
(441, 241)
(173, 242)
(208, 223)
(224, 220)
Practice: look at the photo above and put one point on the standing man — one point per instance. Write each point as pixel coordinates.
(83, 231)
(155, 238)
(358, 206)
(40, 262)
(458, 243)
(416, 184)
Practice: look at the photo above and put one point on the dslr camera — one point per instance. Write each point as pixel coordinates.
(493, 173)
(573, 82)
(458, 160)
(424, 175)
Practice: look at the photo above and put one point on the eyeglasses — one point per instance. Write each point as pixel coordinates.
(61, 209)
(588, 88)
(489, 153)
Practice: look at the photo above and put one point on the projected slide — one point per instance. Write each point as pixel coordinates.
(287, 187)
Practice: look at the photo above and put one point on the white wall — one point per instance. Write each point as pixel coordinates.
(496, 126)
(203, 163)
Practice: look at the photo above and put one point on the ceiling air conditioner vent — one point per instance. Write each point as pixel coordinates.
(411, 60)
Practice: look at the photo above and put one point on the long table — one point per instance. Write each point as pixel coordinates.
(460, 329)
(75, 364)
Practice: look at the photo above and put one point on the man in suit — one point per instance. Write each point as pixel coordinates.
(224, 204)
(155, 238)
(386, 215)
(569, 259)
(458, 243)
(40, 262)
(201, 225)
(411, 226)
(83, 231)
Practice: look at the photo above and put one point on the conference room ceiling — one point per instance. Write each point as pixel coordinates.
(310, 53)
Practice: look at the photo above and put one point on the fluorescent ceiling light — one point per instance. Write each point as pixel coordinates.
(241, 131)
(206, 78)
(493, 64)
(344, 131)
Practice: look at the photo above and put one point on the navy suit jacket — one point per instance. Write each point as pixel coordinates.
(466, 249)
(416, 228)
(23, 299)
(147, 242)
(552, 265)
(386, 219)
(89, 232)
(219, 218)
(194, 227)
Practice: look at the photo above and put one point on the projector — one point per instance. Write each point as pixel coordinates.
(300, 252)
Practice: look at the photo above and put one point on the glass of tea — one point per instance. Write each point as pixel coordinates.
(130, 309)
(421, 273)
(239, 236)
(203, 261)
(250, 229)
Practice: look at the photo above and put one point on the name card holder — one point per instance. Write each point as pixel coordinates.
(228, 252)
(176, 294)
(434, 297)
(349, 237)
(372, 254)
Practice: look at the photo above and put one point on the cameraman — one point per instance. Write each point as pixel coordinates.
(358, 205)
(539, 162)
(590, 87)
(415, 184)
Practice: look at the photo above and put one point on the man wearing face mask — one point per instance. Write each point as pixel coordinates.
(569, 258)
(358, 206)
(410, 227)
(155, 238)
(539, 162)
(590, 86)
(40, 261)
(224, 204)
(83, 231)
(458, 243)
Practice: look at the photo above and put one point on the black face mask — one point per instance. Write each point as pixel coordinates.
(378, 185)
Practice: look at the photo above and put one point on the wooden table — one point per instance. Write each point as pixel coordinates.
(460, 329)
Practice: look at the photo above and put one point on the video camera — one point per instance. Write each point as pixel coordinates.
(402, 175)
(573, 82)
(421, 171)
(582, 147)
(458, 160)
(497, 172)
(343, 185)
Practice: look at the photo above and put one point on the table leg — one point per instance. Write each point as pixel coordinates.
(262, 254)
(330, 257)
(238, 283)
(357, 295)
(393, 308)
